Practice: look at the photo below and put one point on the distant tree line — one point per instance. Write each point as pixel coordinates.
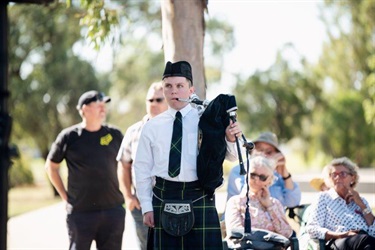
(328, 107)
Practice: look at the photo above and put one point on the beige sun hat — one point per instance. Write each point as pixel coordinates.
(317, 183)
(270, 138)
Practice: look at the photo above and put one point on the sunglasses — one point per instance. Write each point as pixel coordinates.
(261, 177)
(159, 100)
(97, 98)
(341, 175)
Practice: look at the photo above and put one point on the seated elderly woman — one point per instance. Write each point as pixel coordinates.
(340, 216)
(266, 212)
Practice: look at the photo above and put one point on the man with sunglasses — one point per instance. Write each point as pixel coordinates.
(284, 188)
(155, 104)
(93, 199)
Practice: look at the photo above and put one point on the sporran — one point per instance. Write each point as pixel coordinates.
(177, 217)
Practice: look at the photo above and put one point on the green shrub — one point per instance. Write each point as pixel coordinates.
(20, 172)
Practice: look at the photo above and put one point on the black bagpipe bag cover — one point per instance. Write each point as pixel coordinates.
(212, 144)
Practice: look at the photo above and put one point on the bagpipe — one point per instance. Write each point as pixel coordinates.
(215, 117)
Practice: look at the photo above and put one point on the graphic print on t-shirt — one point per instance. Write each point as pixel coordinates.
(105, 140)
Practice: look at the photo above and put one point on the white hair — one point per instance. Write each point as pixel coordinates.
(260, 161)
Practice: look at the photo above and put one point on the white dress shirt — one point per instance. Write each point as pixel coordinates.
(152, 156)
(129, 144)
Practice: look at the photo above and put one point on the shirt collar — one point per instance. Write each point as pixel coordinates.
(335, 196)
(146, 118)
(184, 111)
(332, 192)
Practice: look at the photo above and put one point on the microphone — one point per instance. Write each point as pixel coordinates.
(232, 108)
(233, 115)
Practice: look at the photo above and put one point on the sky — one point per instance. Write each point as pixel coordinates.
(261, 28)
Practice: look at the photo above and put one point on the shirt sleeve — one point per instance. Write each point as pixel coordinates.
(235, 182)
(315, 224)
(287, 197)
(59, 147)
(124, 152)
(231, 154)
(371, 228)
(143, 164)
(233, 215)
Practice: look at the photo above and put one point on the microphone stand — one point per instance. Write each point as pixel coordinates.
(232, 116)
(249, 146)
(247, 228)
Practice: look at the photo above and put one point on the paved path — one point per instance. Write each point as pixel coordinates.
(45, 229)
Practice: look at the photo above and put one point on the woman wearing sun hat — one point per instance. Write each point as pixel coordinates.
(284, 188)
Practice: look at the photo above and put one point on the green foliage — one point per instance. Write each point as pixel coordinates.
(345, 123)
(369, 101)
(219, 39)
(310, 107)
(20, 172)
(102, 19)
(46, 78)
(99, 19)
(136, 67)
(349, 57)
(345, 130)
(279, 100)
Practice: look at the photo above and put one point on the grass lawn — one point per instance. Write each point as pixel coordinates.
(28, 198)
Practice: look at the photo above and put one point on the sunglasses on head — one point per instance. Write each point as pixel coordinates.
(97, 98)
(156, 100)
(261, 177)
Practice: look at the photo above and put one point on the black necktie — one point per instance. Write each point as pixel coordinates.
(175, 151)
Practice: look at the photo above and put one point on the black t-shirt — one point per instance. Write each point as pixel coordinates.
(92, 166)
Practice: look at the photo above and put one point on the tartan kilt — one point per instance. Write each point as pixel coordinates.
(205, 234)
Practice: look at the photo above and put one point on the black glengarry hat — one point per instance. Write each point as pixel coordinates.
(181, 68)
(92, 96)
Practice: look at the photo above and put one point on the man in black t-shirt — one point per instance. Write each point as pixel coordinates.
(93, 198)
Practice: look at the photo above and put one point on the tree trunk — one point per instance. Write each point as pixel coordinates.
(183, 36)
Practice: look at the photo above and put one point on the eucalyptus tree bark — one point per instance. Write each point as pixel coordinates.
(183, 31)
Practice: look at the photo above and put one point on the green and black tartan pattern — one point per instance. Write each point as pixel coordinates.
(176, 143)
(205, 234)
